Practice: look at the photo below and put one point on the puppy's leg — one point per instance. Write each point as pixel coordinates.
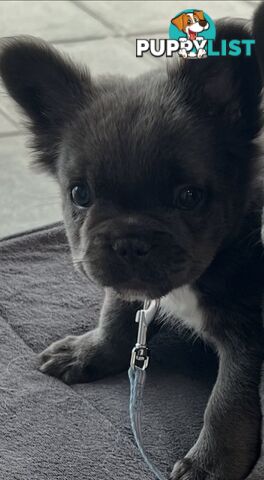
(228, 445)
(103, 351)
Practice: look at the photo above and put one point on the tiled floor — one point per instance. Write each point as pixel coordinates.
(100, 34)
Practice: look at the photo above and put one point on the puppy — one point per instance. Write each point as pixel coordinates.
(161, 193)
(191, 24)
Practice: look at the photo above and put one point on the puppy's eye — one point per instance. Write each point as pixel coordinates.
(189, 21)
(188, 198)
(81, 195)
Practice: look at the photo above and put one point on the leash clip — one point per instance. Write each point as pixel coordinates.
(139, 357)
(140, 352)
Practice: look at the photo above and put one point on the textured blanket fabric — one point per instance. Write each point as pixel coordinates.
(52, 431)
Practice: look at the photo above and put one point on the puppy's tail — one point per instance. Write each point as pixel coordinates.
(258, 35)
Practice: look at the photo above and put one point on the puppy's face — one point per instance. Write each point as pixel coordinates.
(144, 199)
(149, 169)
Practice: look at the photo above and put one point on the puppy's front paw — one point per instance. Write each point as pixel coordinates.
(186, 470)
(74, 359)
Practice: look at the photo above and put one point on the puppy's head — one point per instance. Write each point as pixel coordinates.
(155, 173)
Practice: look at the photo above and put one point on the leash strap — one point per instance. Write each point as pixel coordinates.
(137, 378)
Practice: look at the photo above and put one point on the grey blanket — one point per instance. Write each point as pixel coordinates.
(52, 431)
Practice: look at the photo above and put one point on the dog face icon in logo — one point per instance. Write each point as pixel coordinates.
(197, 27)
(191, 23)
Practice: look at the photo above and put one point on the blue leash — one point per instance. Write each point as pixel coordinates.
(137, 378)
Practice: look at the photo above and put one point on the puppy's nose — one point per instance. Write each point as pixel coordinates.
(131, 248)
(203, 23)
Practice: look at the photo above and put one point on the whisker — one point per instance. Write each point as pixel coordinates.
(79, 263)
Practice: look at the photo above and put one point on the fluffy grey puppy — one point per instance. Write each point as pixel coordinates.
(160, 183)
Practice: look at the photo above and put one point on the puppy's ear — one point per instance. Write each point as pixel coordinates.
(49, 88)
(227, 88)
(179, 21)
(199, 14)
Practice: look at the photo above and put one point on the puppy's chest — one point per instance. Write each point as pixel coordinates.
(182, 304)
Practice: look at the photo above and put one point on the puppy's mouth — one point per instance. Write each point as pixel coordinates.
(133, 284)
(143, 263)
(129, 285)
(140, 291)
(192, 35)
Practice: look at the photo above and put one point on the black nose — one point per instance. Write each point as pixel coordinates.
(203, 23)
(131, 248)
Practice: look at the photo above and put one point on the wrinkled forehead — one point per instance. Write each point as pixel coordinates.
(132, 146)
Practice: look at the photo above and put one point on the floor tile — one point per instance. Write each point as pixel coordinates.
(51, 20)
(6, 126)
(10, 110)
(153, 16)
(27, 199)
(116, 56)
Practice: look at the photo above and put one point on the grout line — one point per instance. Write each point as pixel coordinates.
(92, 14)
(116, 29)
(17, 133)
(148, 33)
(11, 133)
(76, 40)
(8, 117)
(123, 36)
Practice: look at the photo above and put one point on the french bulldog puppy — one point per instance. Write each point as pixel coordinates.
(160, 178)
